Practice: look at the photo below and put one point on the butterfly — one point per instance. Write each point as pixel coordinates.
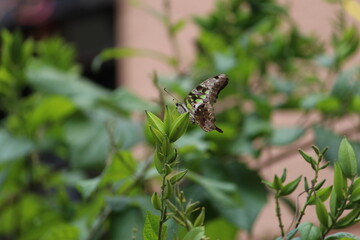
(199, 102)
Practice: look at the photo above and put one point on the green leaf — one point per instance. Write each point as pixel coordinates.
(88, 186)
(56, 52)
(127, 223)
(347, 159)
(117, 53)
(157, 135)
(327, 138)
(290, 187)
(321, 213)
(322, 194)
(217, 189)
(116, 101)
(284, 136)
(122, 166)
(309, 232)
(349, 219)
(159, 162)
(13, 148)
(199, 221)
(267, 183)
(235, 191)
(329, 105)
(168, 189)
(334, 203)
(62, 231)
(307, 158)
(50, 109)
(219, 228)
(311, 101)
(342, 236)
(283, 176)
(155, 201)
(178, 176)
(177, 26)
(277, 183)
(355, 195)
(121, 204)
(196, 233)
(168, 120)
(151, 227)
(319, 185)
(50, 80)
(340, 185)
(87, 140)
(155, 122)
(179, 127)
(167, 149)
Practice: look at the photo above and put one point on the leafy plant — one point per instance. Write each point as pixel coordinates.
(67, 170)
(344, 197)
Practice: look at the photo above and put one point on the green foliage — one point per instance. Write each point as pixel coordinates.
(66, 164)
(340, 197)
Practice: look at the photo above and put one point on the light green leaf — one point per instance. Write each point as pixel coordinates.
(88, 186)
(321, 212)
(347, 159)
(309, 232)
(179, 127)
(61, 232)
(151, 227)
(12, 148)
(220, 228)
(195, 234)
(322, 194)
(50, 80)
(118, 53)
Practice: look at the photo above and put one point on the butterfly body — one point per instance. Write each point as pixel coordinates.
(199, 102)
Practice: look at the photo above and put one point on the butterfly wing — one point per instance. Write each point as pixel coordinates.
(201, 99)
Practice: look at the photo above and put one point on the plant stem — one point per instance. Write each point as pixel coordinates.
(313, 184)
(163, 208)
(278, 215)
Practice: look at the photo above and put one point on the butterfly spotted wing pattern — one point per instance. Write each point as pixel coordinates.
(199, 102)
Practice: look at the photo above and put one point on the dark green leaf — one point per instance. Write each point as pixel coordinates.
(290, 187)
(283, 136)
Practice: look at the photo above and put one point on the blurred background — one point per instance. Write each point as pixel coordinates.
(76, 77)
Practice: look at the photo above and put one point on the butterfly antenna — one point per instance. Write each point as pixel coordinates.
(174, 98)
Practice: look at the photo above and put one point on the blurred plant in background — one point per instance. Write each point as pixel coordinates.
(66, 167)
